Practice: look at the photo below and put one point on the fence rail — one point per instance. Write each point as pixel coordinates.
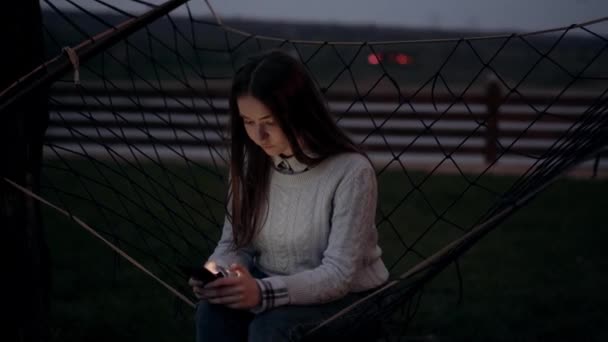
(484, 123)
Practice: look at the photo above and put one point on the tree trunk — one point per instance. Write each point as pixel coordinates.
(26, 263)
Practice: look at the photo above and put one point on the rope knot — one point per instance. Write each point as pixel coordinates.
(73, 56)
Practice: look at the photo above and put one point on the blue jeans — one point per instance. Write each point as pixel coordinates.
(216, 322)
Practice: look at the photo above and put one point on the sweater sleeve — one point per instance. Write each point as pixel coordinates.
(225, 255)
(352, 229)
(273, 293)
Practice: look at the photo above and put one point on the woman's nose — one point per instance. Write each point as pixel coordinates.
(262, 132)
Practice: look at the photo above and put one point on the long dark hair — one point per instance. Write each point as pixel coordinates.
(282, 84)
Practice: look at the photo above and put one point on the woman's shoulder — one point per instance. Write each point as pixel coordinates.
(349, 162)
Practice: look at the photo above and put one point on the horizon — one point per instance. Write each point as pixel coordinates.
(456, 33)
(515, 16)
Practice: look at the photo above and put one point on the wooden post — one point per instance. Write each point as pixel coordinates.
(493, 101)
(25, 263)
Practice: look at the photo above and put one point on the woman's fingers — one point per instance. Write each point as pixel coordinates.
(217, 292)
(224, 291)
(222, 282)
(197, 287)
(198, 292)
(193, 282)
(227, 300)
(221, 287)
(238, 291)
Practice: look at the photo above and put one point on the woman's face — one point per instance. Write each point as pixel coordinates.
(262, 128)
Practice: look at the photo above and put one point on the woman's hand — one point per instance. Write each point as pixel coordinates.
(239, 291)
(197, 285)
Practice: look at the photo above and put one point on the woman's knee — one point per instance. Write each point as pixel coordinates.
(205, 319)
(276, 325)
(264, 327)
(205, 314)
(218, 323)
(297, 324)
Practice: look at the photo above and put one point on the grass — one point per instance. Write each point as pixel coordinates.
(539, 276)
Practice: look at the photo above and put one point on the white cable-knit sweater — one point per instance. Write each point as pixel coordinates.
(319, 240)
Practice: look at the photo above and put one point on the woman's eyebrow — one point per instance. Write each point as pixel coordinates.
(262, 118)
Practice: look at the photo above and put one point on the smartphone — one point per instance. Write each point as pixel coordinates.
(200, 273)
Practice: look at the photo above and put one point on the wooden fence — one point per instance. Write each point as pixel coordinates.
(491, 117)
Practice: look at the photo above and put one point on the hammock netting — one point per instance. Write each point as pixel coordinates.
(136, 143)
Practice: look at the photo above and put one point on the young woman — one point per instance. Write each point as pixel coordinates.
(300, 241)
